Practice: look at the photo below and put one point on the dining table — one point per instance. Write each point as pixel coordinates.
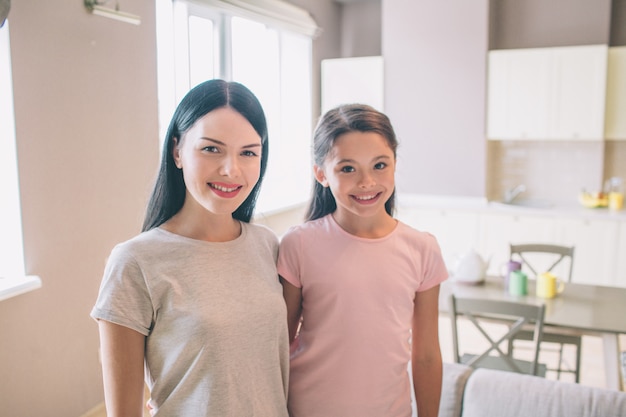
(589, 309)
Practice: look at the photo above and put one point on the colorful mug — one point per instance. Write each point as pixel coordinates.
(518, 283)
(548, 285)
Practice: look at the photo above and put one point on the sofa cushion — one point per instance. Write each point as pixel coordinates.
(454, 378)
(491, 393)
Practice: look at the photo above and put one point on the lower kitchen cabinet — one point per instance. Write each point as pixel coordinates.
(456, 231)
(599, 241)
(499, 230)
(596, 243)
(620, 268)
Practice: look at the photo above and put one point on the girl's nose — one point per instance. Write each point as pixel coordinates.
(366, 180)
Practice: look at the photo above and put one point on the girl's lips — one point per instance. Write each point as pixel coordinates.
(366, 199)
(225, 190)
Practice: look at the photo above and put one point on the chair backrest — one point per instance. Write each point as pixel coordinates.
(552, 255)
(490, 317)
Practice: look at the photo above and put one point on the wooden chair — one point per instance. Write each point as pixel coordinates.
(552, 256)
(489, 316)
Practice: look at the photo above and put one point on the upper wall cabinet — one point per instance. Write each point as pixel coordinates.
(615, 127)
(547, 93)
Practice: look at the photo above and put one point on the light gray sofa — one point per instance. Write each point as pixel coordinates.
(488, 393)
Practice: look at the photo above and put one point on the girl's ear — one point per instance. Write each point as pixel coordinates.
(320, 176)
(176, 153)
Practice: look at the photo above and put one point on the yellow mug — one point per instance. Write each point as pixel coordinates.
(548, 285)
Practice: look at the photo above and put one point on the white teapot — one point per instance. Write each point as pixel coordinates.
(470, 268)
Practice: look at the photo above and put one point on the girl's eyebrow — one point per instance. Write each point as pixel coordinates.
(219, 142)
(376, 158)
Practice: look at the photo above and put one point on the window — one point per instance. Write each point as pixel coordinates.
(11, 244)
(207, 39)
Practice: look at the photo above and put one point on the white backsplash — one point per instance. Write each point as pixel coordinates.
(551, 170)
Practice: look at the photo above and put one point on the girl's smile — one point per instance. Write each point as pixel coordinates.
(359, 170)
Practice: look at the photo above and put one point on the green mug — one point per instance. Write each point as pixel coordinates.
(518, 283)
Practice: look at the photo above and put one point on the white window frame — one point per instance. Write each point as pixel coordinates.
(288, 180)
(13, 279)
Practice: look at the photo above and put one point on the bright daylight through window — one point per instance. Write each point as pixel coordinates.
(11, 246)
(207, 39)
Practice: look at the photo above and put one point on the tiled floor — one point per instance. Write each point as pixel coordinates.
(592, 363)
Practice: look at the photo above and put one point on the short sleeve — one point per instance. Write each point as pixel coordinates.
(124, 298)
(289, 258)
(435, 271)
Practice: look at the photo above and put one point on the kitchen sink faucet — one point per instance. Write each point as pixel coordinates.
(512, 193)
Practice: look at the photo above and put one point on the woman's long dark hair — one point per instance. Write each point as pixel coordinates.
(336, 122)
(169, 190)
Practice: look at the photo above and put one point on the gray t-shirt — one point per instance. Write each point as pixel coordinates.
(213, 316)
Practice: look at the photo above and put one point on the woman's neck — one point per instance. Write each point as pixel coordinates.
(204, 226)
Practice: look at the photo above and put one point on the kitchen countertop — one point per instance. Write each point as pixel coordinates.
(542, 208)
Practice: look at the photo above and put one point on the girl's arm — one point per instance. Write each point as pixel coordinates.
(426, 355)
(293, 300)
(122, 355)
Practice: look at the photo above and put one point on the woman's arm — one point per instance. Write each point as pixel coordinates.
(293, 300)
(122, 355)
(426, 355)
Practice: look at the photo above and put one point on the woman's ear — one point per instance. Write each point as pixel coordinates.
(320, 176)
(176, 153)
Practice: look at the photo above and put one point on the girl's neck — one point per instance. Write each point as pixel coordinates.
(204, 226)
(374, 227)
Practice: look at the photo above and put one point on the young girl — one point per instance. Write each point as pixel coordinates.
(365, 285)
(196, 295)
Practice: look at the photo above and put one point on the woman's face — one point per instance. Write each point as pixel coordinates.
(220, 156)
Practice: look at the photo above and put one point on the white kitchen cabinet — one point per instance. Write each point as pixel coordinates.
(595, 256)
(518, 100)
(547, 93)
(457, 231)
(499, 230)
(620, 268)
(615, 120)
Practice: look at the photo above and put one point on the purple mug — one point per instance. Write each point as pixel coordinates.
(509, 267)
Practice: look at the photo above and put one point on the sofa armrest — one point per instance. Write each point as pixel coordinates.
(491, 393)
(454, 378)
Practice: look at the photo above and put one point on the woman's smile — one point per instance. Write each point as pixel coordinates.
(225, 190)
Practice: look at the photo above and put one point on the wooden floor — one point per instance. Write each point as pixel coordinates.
(591, 374)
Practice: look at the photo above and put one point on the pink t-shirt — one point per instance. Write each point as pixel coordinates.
(351, 356)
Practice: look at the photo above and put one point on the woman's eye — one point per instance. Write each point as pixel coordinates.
(347, 169)
(249, 153)
(211, 149)
(380, 165)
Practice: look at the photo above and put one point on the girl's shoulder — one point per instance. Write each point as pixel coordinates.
(310, 227)
(405, 231)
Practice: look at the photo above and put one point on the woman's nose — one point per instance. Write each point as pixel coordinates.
(230, 166)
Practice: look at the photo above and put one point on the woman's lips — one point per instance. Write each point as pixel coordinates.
(225, 190)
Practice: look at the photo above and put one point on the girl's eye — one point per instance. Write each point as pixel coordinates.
(347, 169)
(380, 165)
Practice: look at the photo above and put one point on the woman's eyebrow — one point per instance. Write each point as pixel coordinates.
(219, 142)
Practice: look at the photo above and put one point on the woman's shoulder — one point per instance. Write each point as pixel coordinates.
(260, 231)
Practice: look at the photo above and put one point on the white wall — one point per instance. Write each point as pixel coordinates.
(435, 76)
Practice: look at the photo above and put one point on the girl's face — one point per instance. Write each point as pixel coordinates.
(360, 171)
(220, 156)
